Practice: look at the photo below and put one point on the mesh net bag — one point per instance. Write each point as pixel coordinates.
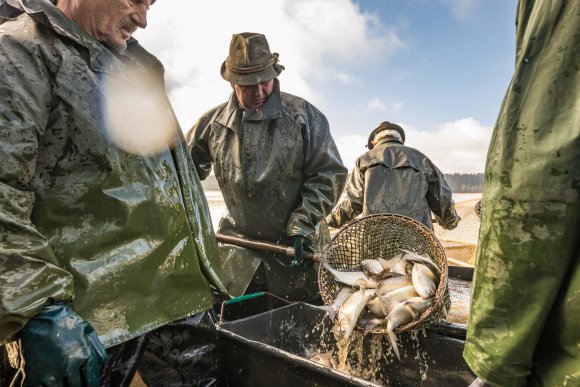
(383, 236)
(461, 243)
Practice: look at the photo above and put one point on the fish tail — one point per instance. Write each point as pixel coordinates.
(393, 339)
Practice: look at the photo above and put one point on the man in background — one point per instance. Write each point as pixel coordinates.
(394, 178)
(277, 166)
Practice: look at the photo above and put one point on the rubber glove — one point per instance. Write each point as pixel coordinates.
(302, 244)
(59, 348)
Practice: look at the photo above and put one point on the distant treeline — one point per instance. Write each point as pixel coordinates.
(465, 182)
(459, 182)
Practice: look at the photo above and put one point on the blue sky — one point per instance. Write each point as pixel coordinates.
(439, 68)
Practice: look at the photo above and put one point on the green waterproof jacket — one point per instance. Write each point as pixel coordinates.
(525, 311)
(394, 178)
(126, 238)
(278, 168)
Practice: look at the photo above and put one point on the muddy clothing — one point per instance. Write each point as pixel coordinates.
(126, 238)
(394, 178)
(278, 169)
(525, 307)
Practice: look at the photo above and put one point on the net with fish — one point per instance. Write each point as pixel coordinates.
(383, 236)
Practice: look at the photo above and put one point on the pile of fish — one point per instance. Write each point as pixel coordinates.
(395, 292)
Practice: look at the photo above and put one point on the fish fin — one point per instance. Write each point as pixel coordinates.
(384, 309)
(393, 339)
(389, 274)
(330, 311)
(369, 324)
(361, 284)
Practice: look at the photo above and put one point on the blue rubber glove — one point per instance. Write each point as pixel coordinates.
(302, 244)
(59, 348)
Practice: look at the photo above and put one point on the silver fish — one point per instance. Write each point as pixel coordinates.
(373, 268)
(340, 298)
(375, 306)
(370, 324)
(392, 283)
(402, 267)
(402, 314)
(351, 309)
(388, 264)
(419, 304)
(424, 280)
(410, 256)
(351, 278)
(386, 302)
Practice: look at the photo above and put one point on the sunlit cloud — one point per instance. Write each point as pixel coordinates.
(461, 9)
(312, 48)
(397, 106)
(376, 104)
(345, 78)
(458, 146)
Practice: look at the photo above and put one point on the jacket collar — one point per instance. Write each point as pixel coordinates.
(233, 114)
(46, 13)
(386, 140)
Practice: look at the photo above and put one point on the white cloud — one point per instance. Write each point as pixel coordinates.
(345, 78)
(397, 106)
(458, 146)
(193, 42)
(192, 38)
(351, 147)
(376, 104)
(461, 9)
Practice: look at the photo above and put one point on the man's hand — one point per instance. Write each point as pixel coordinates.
(302, 244)
(59, 348)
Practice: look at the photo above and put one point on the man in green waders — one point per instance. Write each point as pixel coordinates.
(105, 238)
(277, 166)
(524, 327)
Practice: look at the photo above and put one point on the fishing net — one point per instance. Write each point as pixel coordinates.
(461, 243)
(383, 236)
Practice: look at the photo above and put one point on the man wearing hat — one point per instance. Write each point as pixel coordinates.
(277, 166)
(394, 178)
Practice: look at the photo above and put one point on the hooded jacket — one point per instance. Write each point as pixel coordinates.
(126, 238)
(394, 178)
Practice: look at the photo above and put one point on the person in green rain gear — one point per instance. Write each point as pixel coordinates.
(524, 325)
(101, 244)
(277, 166)
(394, 178)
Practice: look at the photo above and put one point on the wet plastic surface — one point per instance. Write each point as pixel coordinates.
(270, 349)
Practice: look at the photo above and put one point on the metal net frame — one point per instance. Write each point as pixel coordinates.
(383, 236)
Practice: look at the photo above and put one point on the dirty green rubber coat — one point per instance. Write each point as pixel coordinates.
(525, 311)
(280, 173)
(126, 238)
(394, 178)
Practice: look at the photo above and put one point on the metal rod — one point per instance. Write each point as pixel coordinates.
(264, 246)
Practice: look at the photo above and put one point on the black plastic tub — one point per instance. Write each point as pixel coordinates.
(272, 349)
